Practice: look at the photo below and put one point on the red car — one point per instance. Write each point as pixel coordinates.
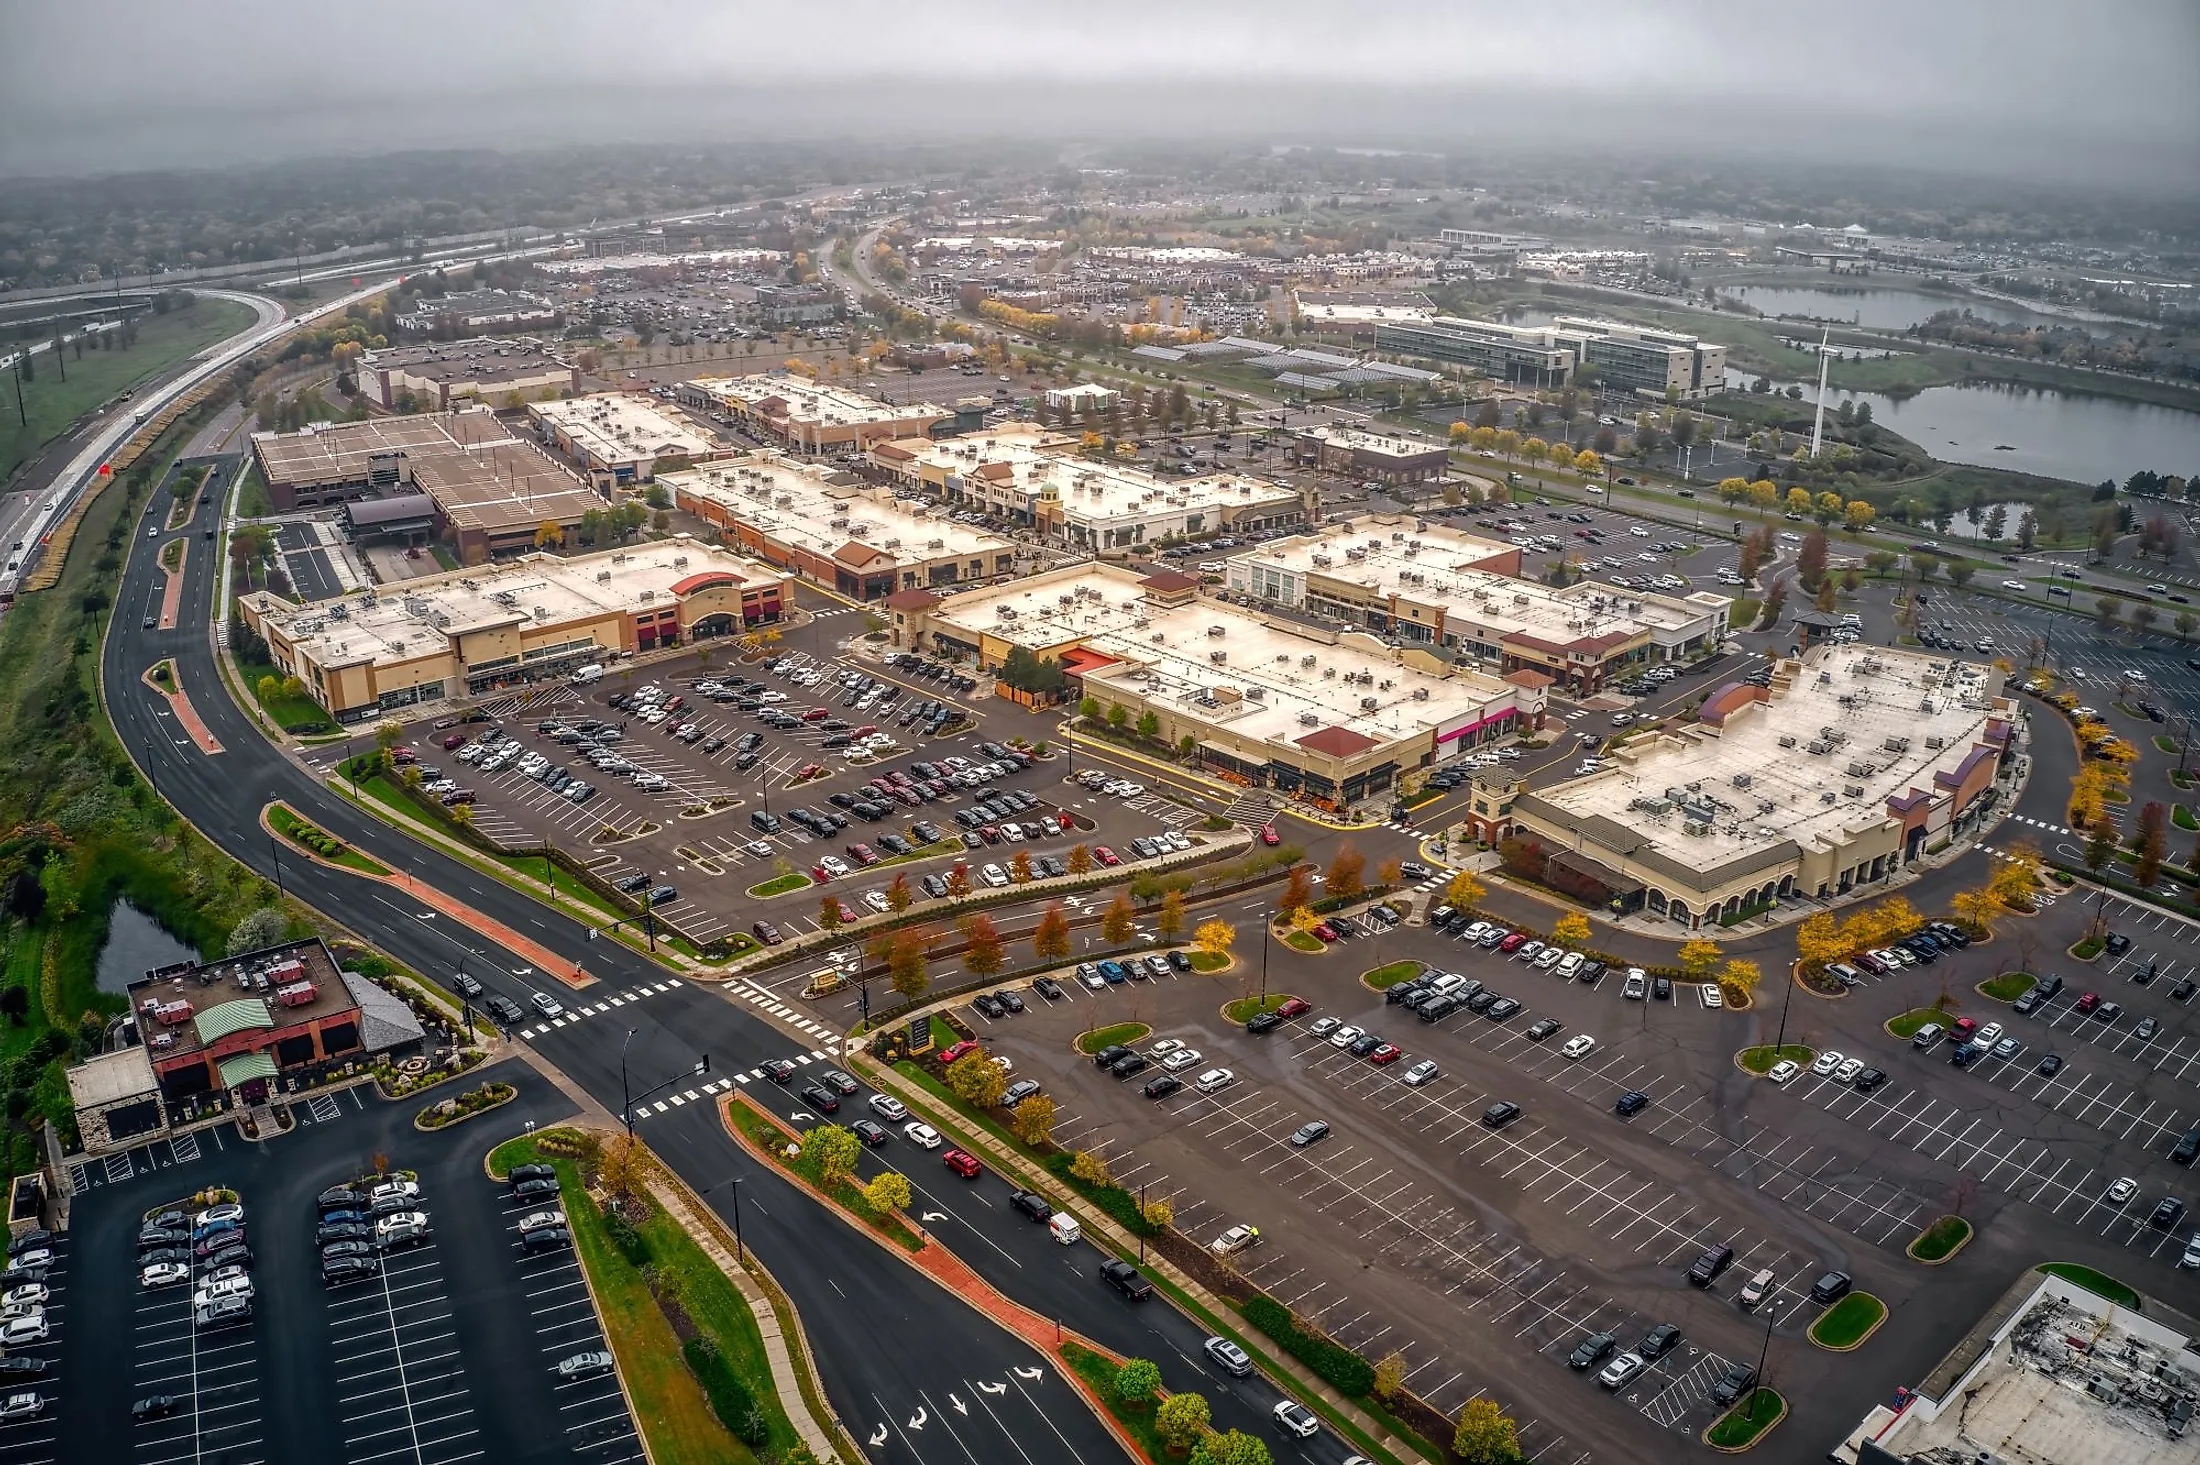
(956, 1050)
(1384, 1054)
(455, 740)
(1105, 855)
(963, 1163)
(864, 855)
(1325, 932)
(816, 714)
(1268, 835)
(808, 770)
(2086, 1003)
(1513, 942)
(1961, 1029)
(1294, 1006)
(403, 756)
(865, 731)
(847, 912)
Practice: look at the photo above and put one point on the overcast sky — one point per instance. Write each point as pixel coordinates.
(2103, 89)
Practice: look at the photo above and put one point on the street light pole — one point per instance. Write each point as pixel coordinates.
(626, 1104)
(277, 856)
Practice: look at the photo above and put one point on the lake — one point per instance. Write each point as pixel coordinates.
(1878, 307)
(2033, 430)
(136, 945)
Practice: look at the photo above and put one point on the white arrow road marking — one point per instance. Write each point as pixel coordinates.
(960, 1406)
(932, 1215)
(992, 1388)
(877, 1439)
(917, 1422)
(1030, 1373)
(800, 1114)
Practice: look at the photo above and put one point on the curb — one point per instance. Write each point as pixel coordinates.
(1885, 1312)
(458, 1119)
(1756, 1440)
(1970, 1231)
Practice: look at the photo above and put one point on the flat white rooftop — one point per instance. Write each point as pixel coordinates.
(1437, 566)
(799, 504)
(1280, 678)
(1384, 444)
(812, 401)
(415, 618)
(1025, 457)
(1858, 726)
(613, 427)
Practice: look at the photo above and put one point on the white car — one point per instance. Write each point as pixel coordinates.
(1551, 957)
(1636, 985)
(29, 1327)
(164, 1274)
(1181, 1059)
(1214, 1080)
(887, 1107)
(1621, 1369)
(1294, 1418)
(773, 696)
(1639, 531)
(835, 866)
(994, 876)
(1235, 1240)
(546, 1004)
(29, 1295)
(2123, 1190)
(1578, 1046)
(1344, 1036)
(877, 901)
(920, 1134)
(537, 1220)
(1166, 1045)
(1989, 1035)
(401, 1228)
(1848, 1070)
(1129, 790)
(1784, 1070)
(240, 1286)
(2018, 585)
(1827, 1062)
(1420, 1073)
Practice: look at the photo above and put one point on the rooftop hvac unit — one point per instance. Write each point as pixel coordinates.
(1218, 657)
(1896, 743)
(1928, 705)
(1825, 679)
(1787, 740)
(646, 596)
(1420, 694)
(1852, 790)
(1818, 748)
(602, 575)
(1741, 780)
(1369, 704)
(1329, 673)
(1936, 743)
(1217, 631)
(1697, 827)
(1309, 719)
(1258, 694)
(935, 544)
(1827, 797)
(1859, 769)
(1159, 639)
(542, 612)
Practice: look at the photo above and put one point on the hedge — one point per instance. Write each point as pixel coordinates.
(730, 1398)
(631, 1243)
(1336, 1365)
(1120, 1204)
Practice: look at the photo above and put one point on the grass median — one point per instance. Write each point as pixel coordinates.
(1114, 1033)
(1847, 1323)
(1383, 978)
(1760, 1060)
(2009, 986)
(843, 1190)
(1099, 1375)
(322, 844)
(1908, 1023)
(1939, 1241)
(1744, 1424)
(1245, 1008)
(671, 1406)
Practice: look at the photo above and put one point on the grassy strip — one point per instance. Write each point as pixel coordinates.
(2100, 1284)
(1383, 978)
(2089, 948)
(1844, 1324)
(1244, 1009)
(1208, 961)
(308, 837)
(1301, 941)
(780, 885)
(1908, 1023)
(1114, 1033)
(1940, 1239)
(2009, 986)
(2182, 817)
(1760, 1060)
(1099, 1376)
(671, 1408)
(843, 1190)
(1756, 1412)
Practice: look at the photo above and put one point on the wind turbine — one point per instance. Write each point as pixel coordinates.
(1818, 428)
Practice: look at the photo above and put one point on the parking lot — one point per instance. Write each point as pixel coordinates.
(35, 1360)
(428, 1357)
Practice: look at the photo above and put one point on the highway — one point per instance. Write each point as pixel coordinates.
(874, 1322)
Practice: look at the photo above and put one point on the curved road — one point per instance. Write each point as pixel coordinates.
(876, 1325)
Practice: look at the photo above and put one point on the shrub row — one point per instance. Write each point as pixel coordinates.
(730, 1398)
(1338, 1366)
(317, 839)
(632, 1244)
(1120, 1204)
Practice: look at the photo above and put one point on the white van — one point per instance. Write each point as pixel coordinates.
(1065, 1228)
(582, 676)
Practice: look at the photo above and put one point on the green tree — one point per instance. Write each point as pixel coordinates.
(1119, 716)
(1231, 1447)
(1137, 1381)
(1181, 1420)
(1026, 672)
(1149, 726)
(832, 1149)
(1089, 708)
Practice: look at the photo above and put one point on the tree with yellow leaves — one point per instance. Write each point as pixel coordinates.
(1465, 891)
(1213, 938)
(1764, 493)
(1588, 464)
(1798, 500)
(1976, 910)
(1818, 941)
(1571, 931)
(1698, 957)
(1859, 514)
(1739, 979)
(2016, 878)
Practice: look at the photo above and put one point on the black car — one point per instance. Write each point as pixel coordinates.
(1869, 1079)
(1108, 1055)
(155, 1406)
(1161, 1085)
(329, 1231)
(153, 1238)
(467, 987)
(1500, 1114)
(1733, 1384)
(870, 1132)
(1832, 1287)
(1658, 1342)
(341, 1270)
(1033, 1205)
(1591, 1351)
(1634, 1101)
(1706, 1268)
(340, 1250)
(535, 1190)
(1364, 1044)
(1010, 1002)
(1048, 988)
(505, 1010)
(2118, 943)
(546, 1238)
(820, 1100)
(778, 1070)
(1126, 1279)
(2167, 1214)
(1263, 1022)
(23, 1366)
(1129, 1064)
(521, 1173)
(988, 1006)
